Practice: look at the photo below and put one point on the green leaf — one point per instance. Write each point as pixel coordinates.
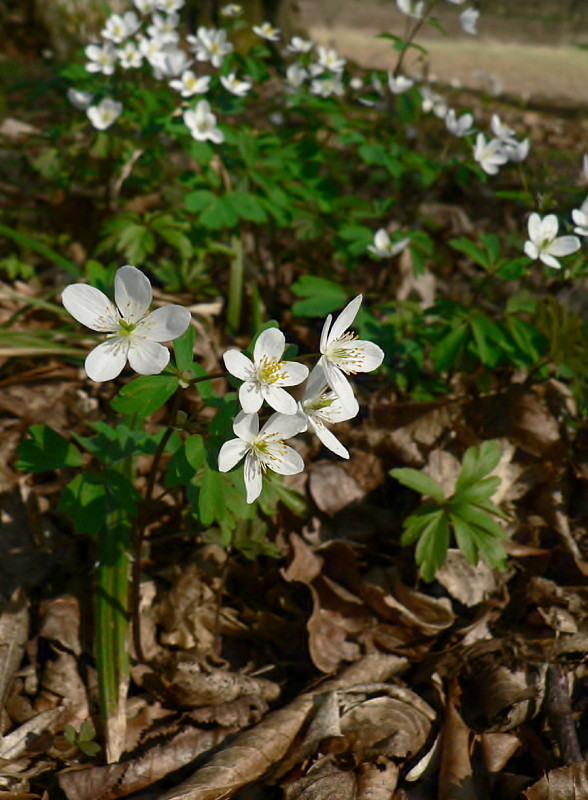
(465, 538)
(476, 492)
(91, 496)
(46, 450)
(479, 518)
(445, 352)
(211, 497)
(419, 481)
(247, 206)
(471, 250)
(199, 200)
(185, 462)
(322, 296)
(417, 522)
(431, 549)
(144, 395)
(477, 463)
(219, 214)
(184, 349)
(489, 340)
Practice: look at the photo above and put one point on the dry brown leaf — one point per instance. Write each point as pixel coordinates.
(566, 783)
(469, 584)
(62, 679)
(324, 781)
(19, 741)
(497, 749)
(332, 488)
(377, 780)
(60, 622)
(394, 725)
(507, 696)
(455, 775)
(253, 752)
(118, 780)
(14, 631)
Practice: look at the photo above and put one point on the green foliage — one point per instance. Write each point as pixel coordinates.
(46, 450)
(145, 395)
(468, 513)
(84, 738)
(90, 496)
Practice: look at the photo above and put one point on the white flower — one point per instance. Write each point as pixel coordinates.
(399, 84)
(329, 59)
(356, 83)
(235, 86)
(202, 123)
(130, 56)
(580, 217)
(545, 244)
(171, 63)
(144, 6)
(343, 354)
(169, 6)
(164, 28)
(210, 44)
(468, 20)
(501, 130)
(383, 247)
(300, 45)
(231, 10)
(133, 333)
(459, 127)
(432, 101)
(320, 404)
(188, 84)
(264, 377)
(489, 155)
(263, 449)
(102, 59)
(118, 28)
(295, 75)
(103, 115)
(456, 2)
(79, 99)
(517, 151)
(267, 31)
(325, 87)
(412, 8)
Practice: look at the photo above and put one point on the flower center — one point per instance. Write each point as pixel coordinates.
(125, 328)
(269, 371)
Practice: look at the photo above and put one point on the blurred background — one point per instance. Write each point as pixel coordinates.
(533, 49)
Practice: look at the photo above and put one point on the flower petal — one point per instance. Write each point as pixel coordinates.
(279, 399)
(285, 461)
(250, 397)
(317, 381)
(91, 307)
(147, 357)
(164, 324)
(563, 246)
(246, 426)
(345, 318)
(283, 425)
(534, 228)
(253, 478)
(270, 343)
(231, 453)
(531, 250)
(549, 227)
(107, 360)
(238, 365)
(294, 373)
(550, 261)
(325, 333)
(340, 385)
(132, 293)
(328, 438)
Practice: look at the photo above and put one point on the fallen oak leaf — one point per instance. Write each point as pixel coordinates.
(252, 753)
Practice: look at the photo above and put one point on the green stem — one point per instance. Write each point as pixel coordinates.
(42, 249)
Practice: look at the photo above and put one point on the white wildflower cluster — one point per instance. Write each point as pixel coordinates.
(321, 67)
(493, 153)
(148, 37)
(415, 9)
(328, 398)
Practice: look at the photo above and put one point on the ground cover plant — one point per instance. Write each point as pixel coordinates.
(295, 391)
